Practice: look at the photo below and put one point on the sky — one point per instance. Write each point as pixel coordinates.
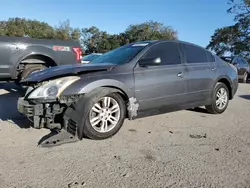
(194, 20)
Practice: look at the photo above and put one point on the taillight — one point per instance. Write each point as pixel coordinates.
(78, 52)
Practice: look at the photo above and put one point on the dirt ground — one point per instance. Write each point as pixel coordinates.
(179, 149)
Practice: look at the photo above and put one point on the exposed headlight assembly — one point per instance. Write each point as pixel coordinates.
(53, 89)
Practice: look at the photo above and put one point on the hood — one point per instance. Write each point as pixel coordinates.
(65, 70)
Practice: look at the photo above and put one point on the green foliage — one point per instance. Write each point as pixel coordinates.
(15, 27)
(65, 32)
(149, 31)
(235, 38)
(95, 40)
(36, 29)
(92, 39)
(20, 27)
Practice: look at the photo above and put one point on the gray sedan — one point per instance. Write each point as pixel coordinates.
(133, 81)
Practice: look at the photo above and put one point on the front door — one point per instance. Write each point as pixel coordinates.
(164, 84)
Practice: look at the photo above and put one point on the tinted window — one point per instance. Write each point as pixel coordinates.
(167, 51)
(210, 57)
(194, 54)
(120, 55)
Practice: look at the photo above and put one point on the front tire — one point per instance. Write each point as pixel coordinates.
(220, 99)
(106, 114)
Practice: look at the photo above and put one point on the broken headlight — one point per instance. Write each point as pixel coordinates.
(53, 89)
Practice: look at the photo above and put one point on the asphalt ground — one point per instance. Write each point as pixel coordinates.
(179, 149)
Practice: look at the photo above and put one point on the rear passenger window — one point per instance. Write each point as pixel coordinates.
(194, 54)
(167, 51)
(210, 57)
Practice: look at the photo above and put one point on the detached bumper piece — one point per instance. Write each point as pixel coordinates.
(56, 138)
(43, 115)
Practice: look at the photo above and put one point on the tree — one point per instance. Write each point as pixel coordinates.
(94, 40)
(2, 27)
(39, 30)
(149, 31)
(15, 27)
(65, 32)
(227, 39)
(234, 39)
(75, 34)
(90, 37)
(21, 27)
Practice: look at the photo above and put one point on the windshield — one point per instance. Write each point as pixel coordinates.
(120, 55)
(90, 57)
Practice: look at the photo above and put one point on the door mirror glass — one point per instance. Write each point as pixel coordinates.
(150, 62)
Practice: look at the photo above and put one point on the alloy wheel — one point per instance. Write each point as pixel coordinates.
(105, 114)
(221, 98)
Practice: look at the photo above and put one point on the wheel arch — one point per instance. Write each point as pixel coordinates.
(84, 86)
(45, 58)
(228, 83)
(119, 91)
(40, 53)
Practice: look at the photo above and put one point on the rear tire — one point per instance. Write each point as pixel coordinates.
(29, 69)
(220, 99)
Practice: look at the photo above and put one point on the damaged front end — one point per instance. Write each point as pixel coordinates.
(46, 113)
(44, 106)
(43, 115)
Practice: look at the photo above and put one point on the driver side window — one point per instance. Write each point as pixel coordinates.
(167, 51)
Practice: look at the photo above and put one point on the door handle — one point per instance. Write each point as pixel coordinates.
(180, 74)
(213, 69)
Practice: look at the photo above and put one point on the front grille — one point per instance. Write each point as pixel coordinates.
(71, 127)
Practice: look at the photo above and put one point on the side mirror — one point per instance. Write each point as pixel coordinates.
(150, 62)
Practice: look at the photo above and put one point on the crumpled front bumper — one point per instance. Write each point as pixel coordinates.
(24, 107)
(43, 114)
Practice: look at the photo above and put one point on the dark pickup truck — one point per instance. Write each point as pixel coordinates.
(20, 56)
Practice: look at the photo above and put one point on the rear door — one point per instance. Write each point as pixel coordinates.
(201, 72)
(164, 84)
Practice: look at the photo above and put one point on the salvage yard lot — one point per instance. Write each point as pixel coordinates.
(179, 149)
